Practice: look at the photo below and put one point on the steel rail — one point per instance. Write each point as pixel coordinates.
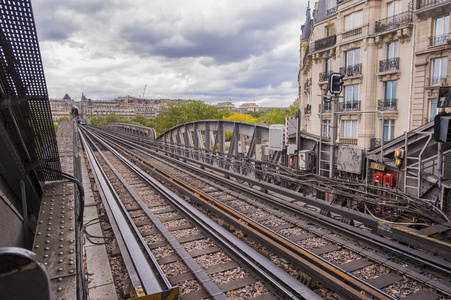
(150, 282)
(421, 259)
(350, 286)
(211, 288)
(259, 263)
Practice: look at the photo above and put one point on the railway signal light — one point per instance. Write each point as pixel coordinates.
(442, 128)
(444, 97)
(399, 157)
(335, 83)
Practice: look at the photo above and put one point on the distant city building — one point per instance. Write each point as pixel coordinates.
(245, 107)
(127, 107)
(227, 105)
(61, 107)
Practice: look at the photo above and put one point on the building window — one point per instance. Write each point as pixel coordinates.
(389, 129)
(393, 8)
(354, 20)
(392, 50)
(331, 6)
(326, 129)
(441, 30)
(432, 111)
(439, 70)
(352, 63)
(351, 97)
(324, 76)
(349, 128)
(390, 89)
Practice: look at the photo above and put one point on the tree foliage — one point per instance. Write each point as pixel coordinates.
(241, 117)
(175, 114)
(61, 119)
(294, 108)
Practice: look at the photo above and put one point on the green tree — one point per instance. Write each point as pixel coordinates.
(61, 119)
(175, 114)
(274, 116)
(140, 119)
(294, 108)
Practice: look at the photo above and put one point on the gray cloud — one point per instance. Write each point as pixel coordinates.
(202, 49)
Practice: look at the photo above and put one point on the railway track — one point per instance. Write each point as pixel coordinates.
(181, 246)
(390, 274)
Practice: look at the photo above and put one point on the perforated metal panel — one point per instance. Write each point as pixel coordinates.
(23, 83)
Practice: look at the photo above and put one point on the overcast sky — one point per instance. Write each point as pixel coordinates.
(209, 50)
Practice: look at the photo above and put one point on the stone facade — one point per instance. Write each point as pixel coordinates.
(394, 56)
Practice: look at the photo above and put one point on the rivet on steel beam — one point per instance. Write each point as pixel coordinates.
(47, 248)
(46, 256)
(36, 247)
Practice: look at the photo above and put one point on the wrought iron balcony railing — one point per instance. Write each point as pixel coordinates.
(439, 39)
(308, 109)
(394, 22)
(349, 106)
(331, 10)
(325, 107)
(389, 64)
(353, 70)
(325, 42)
(324, 76)
(438, 80)
(426, 3)
(308, 82)
(387, 104)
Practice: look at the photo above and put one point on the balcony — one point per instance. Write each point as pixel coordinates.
(394, 22)
(349, 106)
(348, 141)
(325, 43)
(353, 70)
(389, 64)
(326, 107)
(352, 33)
(331, 10)
(308, 109)
(438, 80)
(387, 104)
(324, 76)
(307, 83)
(425, 9)
(426, 3)
(439, 39)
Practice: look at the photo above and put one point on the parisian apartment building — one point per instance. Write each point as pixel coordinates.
(394, 56)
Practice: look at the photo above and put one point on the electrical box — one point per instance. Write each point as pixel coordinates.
(291, 149)
(268, 151)
(260, 152)
(241, 147)
(305, 160)
(276, 137)
(389, 180)
(378, 177)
